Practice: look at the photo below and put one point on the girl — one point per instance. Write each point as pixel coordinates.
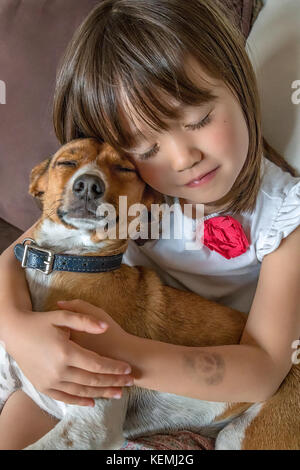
(172, 87)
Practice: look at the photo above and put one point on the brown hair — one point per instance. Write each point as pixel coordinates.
(135, 49)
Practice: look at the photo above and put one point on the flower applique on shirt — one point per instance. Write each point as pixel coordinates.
(223, 234)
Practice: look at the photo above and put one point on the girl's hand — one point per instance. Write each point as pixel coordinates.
(40, 344)
(114, 343)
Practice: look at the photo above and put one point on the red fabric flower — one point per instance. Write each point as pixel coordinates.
(226, 236)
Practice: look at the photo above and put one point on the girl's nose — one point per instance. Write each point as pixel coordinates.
(182, 153)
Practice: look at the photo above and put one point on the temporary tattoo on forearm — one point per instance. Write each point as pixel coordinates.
(209, 367)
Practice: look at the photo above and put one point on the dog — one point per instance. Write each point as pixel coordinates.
(71, 186)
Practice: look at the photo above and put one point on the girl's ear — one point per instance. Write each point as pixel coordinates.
(39, 180)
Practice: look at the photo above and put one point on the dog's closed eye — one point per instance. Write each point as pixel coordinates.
(72, 163)
(123, 168)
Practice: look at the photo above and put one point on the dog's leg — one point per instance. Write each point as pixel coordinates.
(86, 428)
(232, 435)
(9, 381)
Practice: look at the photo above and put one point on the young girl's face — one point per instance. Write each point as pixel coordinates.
(214, 135)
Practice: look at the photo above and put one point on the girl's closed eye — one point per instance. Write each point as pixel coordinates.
(200, 124)
(155, 148)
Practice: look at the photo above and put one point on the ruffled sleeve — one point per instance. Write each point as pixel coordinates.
(286, 219)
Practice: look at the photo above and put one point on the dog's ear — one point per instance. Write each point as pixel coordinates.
(39, 180)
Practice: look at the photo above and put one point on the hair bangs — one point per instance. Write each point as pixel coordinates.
(149, 109)
(141, 106)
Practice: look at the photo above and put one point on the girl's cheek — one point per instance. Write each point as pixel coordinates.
(154, 175)
(230, 137)
(222, 136)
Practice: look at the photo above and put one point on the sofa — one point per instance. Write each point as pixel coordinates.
(33, 36)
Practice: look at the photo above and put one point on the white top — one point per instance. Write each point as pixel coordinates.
(230, 282)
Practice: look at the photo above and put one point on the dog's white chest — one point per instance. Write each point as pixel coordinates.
(39, 285)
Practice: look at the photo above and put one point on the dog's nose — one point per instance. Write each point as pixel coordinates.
(88, 186)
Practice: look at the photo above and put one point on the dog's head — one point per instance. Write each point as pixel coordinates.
(81, 177)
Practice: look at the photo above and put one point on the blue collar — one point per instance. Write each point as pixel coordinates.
(44, 260)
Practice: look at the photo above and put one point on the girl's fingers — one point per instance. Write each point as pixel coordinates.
(69, 399)
(79, 322)
(82, 377)
(86, 308)
(77, 390)
(90, 361)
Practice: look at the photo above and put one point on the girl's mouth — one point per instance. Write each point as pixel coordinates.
(201, 180)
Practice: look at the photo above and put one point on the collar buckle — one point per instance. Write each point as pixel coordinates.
(48, 263)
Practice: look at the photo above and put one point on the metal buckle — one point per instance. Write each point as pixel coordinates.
(33, 246)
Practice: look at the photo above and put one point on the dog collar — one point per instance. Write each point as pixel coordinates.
(44, 260)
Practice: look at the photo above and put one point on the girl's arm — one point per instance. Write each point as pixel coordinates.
(249, 372)
(73, 374)
(14, 293)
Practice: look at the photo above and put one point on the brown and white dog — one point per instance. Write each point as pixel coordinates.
(149, 309)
